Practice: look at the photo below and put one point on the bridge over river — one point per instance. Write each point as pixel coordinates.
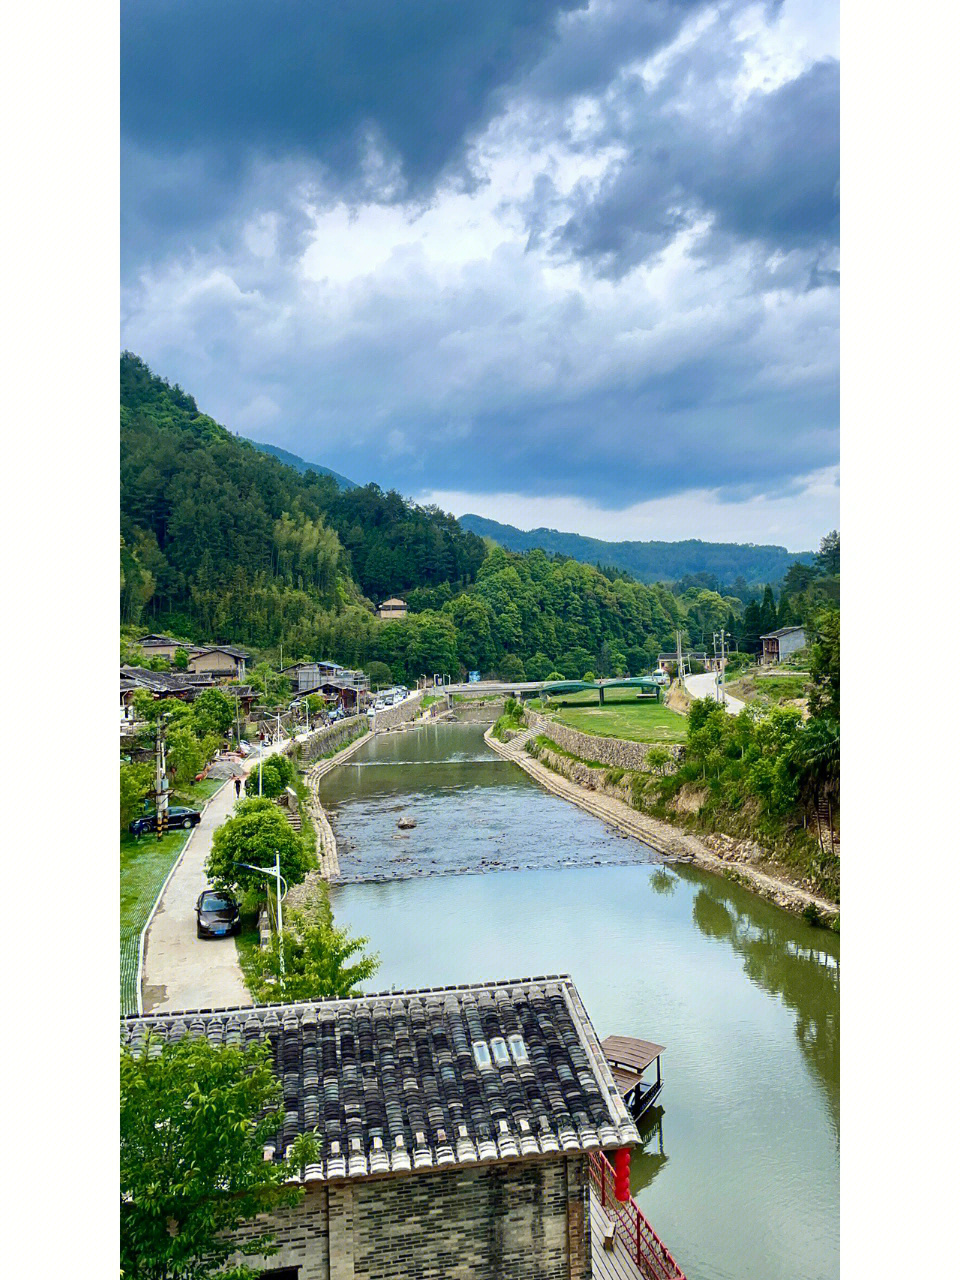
(556, 688)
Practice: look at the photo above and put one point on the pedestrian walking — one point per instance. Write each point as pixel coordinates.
(238, 784)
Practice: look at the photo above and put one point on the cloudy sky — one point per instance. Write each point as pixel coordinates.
(566, 263)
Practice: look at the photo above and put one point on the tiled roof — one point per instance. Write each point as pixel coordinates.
(781, 631)
(409, 1080)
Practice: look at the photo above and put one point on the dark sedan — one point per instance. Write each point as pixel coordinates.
(177, 816)
(217, 914)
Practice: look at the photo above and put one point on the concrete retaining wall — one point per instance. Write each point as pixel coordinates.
(616, 752)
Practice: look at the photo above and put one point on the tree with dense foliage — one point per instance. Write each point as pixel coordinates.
(213, 712)
(316, 958)
(194, 1118)
(136, 782)
(256, 833)
(825, 666)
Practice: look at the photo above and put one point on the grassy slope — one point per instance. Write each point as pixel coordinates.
(144, 865)
(621, 716)
(770, 688)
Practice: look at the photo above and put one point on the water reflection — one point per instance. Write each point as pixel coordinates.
(649, 1158)
(778, 955)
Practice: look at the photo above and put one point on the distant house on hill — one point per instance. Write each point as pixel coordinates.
(778, 645)
(393, 608)
(457, 1130)
(157, 646)
(223, 661)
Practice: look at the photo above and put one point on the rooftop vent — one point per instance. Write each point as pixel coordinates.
(481, 1054)
(500, 1055)
(518, 1049)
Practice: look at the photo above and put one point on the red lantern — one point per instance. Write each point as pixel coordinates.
(621, 1168)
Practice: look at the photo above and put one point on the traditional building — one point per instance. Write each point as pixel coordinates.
(155, 646)
(778, 645)
(459, 1131)
(223, 661)
(393, 608)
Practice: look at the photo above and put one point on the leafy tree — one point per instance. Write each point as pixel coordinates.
(213, 712)
(828, 557)
(315, 703)
(193, 1122)
(380, 674)
(825, 666)
(511, 668)
(135, 782)
(269, 781)
(658, 758)
(145, 705)
(256, 833)
(181, 659)
(315, 960)
(184, 754)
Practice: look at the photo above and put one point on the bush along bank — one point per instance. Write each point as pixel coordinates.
(737, 785)
(511, 722)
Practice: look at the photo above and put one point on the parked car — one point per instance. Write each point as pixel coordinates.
(177, 816)
(217, 914)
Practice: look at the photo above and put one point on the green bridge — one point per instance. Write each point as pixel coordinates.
(643, 684)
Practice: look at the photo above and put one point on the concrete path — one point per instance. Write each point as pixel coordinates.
(180, 970)
(705, 686)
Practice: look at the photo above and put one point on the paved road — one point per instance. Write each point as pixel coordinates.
(705, 686)
(180, 970)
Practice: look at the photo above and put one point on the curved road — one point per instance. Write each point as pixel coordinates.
(180, 970)
(705, 686)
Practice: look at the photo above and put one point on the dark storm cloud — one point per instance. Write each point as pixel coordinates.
(206, 86)
(770, 173)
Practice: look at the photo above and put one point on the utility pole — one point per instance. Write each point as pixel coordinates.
(723, 664)
(679, 657)
(719, 695)
(161, 783)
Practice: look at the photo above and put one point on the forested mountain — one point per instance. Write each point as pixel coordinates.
(220, 541)
(298, 464)
(649, 561)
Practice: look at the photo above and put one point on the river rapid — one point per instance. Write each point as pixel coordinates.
(740, 1168)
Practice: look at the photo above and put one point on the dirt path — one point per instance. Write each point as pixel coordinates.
(674, 844)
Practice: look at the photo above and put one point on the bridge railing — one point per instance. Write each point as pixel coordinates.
(654, 1260)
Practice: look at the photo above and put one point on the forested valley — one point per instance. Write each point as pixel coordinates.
(222, 542)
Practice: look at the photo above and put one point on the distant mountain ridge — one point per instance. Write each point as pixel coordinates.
(298, 464)
(649, 561)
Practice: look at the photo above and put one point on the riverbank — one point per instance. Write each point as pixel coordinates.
(725, 858)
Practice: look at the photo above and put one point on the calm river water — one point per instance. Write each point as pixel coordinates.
(740, 1172)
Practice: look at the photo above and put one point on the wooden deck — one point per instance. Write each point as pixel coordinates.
(609, 1264)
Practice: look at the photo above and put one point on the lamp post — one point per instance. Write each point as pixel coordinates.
(273, 871)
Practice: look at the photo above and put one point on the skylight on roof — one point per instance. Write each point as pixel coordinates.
(518, 1049)
(500, 1055)
(481, 1054)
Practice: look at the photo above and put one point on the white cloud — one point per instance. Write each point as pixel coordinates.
(797, 520)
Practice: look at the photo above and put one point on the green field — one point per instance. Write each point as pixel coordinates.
(144, 865)
(622, 715)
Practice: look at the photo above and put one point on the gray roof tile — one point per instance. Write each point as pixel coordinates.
(391, 1082)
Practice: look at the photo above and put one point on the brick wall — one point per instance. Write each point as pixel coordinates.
(524, 1221)
(616, 752)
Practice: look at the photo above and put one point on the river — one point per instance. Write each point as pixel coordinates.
(740, 1171)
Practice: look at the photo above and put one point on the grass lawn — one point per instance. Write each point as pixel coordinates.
(144, 865)
(622, 715)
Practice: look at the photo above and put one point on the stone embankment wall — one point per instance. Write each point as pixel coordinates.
(403, 712)
(331, 738)
(478, 711)
(615, 752)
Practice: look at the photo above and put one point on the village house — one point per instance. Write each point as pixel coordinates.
(184, 685)
(777, 645)
(459, 1131)
(157, 646)
(393, 608)
(667, 662)
(223, 661)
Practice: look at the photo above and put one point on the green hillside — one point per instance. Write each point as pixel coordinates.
(649, 561)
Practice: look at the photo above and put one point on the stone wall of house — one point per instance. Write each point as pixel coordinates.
(615, 752)
(518, 1221)
(331, 738)
(403, 712)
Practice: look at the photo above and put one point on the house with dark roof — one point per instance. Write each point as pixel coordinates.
(394, 607)
(223, 661)
(155, 645)
(780, 644)
(457, 1127)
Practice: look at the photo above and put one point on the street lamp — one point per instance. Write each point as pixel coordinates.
(273, 871)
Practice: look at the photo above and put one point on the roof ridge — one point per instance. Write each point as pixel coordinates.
(329, 1001)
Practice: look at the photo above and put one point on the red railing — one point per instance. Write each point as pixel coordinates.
(652, 1256)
